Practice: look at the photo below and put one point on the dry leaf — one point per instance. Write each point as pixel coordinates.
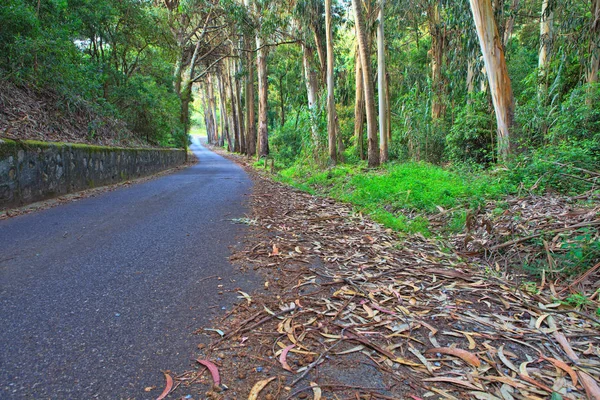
(168, 387)
(258, 386)
(463, 354)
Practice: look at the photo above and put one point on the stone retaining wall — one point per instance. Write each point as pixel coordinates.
(32, 171)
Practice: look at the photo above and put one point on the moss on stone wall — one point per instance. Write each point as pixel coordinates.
(45, 169)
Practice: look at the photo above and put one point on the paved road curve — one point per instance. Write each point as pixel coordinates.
(99, 295)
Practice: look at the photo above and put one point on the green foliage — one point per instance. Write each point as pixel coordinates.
(398, 194)
(108, 56)
(552, 168)
(471, 138)
(577, 300)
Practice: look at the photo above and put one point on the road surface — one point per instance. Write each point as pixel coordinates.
(99, 295)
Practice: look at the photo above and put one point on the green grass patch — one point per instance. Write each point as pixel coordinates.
(400, 195)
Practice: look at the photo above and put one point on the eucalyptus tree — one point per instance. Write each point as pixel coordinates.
(382, 86)
(497, 72)
(332, 132)
(594, 46)
(546, 35)
(361, 35)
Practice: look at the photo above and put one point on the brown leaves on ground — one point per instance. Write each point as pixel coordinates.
(353, 311)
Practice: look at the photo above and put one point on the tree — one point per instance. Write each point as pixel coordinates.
(546, 21)
(382, 88)
(438, 40)
(497, 72)
(331, 113)
(263, 97)
(373, 148)
(594, 63)
(359, 105)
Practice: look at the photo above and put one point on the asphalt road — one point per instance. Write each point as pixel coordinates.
(99, 295)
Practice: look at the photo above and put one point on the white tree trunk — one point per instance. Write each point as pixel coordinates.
(331, 114)
(373, 148)
(263, 98)
(497, 73)
(381, 87)
(310, 78)
(593, 66)
(546, 21)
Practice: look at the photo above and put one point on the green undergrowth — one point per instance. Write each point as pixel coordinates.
(401, 195)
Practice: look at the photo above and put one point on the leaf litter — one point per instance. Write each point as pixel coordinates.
(347, 294)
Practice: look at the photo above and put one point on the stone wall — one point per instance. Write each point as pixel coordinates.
(32, 171)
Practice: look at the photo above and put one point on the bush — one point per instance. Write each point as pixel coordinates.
(552, 168)
(471, 138)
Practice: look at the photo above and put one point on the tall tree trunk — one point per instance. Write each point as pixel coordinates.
(373, 148)
(546, 21)
(177, 73)
(310, 78)
(229, 77)
(331, 114)
(593, 66)
(203, 95)
(213, 108)
(263, 97)
(321, 53)
(437, 57)
(388, 110)
(359, 107)
(497, 73)
(224, 114)
(240, 117)
(471, 76)
(250, 96)
(510, 22)
(281, 100)
(250, 113)
(381, 86)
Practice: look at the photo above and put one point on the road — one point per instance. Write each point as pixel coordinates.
(99, 295)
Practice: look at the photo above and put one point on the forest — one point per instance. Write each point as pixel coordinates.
(404, 109)
(376, 199)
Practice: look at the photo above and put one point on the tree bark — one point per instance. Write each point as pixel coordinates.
(471, 76)
(497, 73)
(373, 148)
(331, 114)
(510, 23)
(546, 21)
(437, 57)
(310, 78)
(359, 107)
(594, 64)
(321, 53)
(250, 105)
(381, 86)
(240, 117)
(234, 111)
(203, 96)
(224, 114)
(263, 98)
(250, 113)
(213, 109)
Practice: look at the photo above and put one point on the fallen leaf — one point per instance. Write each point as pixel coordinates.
(316, 391)
(283, 357)
(463, 354)
(258, 386)
(214, 371)
(560, 364)
(590, 385)
(168, 387)
(454, 381)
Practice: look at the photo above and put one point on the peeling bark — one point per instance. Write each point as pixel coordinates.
(373, 148)
(497, 73)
